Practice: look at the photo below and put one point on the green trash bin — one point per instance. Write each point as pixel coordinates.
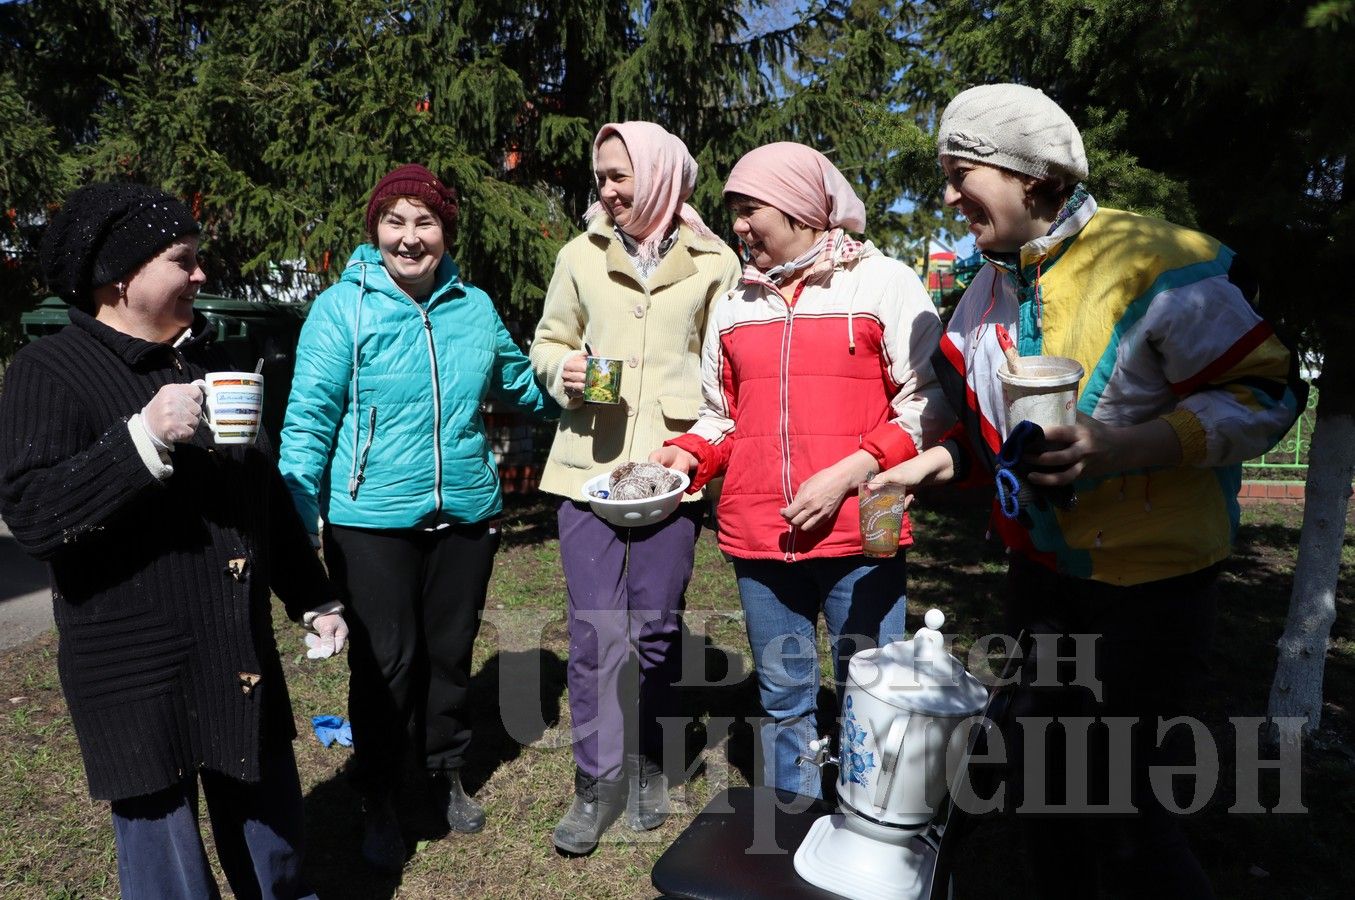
(248, 330)
(48, 317)
(251, 331)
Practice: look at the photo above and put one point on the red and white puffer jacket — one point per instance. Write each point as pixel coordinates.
(791, 388)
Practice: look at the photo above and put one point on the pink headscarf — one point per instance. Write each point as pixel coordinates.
(665, 176)
(802, 183)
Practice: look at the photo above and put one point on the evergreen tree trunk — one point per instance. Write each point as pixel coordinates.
(1297, 688)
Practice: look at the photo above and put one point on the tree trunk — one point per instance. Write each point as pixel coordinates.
(1297, 688)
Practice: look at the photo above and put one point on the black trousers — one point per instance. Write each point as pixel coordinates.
(1151, 659)
(414, 600)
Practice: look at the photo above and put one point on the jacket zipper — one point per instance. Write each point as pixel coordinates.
(785, 410)
(437, 411)
(366, 448)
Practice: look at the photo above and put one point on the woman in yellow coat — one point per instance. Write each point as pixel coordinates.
(636, 286)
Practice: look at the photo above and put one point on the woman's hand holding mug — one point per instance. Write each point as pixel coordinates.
(572, 374)
(174, 413)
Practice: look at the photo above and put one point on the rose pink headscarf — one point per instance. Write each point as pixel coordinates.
(802, 183)
(665, 176)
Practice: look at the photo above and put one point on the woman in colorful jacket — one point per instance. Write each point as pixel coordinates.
(636, 286)
(1183, 381)
(816, 375)
(164, 548)
(383, 439)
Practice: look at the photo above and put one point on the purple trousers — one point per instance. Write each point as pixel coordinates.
(625, 594)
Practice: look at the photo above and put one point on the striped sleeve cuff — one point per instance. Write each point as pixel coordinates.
(1190, 432)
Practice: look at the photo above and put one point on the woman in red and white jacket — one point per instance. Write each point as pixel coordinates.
(815, 376)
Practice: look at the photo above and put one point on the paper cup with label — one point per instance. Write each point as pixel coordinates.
(234, 405)
(1043, 391)
(602, 380)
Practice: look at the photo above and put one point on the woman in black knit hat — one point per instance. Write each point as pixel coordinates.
(163, 549)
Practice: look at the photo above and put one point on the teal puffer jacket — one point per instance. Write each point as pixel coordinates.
(383, 425)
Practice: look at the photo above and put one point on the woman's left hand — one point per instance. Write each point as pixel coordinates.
(821, 494)
(328, 634)
(1094, 448)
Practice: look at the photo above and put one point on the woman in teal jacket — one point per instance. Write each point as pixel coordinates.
(384, 442)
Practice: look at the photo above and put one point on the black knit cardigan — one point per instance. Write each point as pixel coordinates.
(161, 589)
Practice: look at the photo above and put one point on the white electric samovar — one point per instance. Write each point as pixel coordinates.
(898, 753)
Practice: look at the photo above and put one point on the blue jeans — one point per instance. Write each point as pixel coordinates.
(863, 603)
(257, 828)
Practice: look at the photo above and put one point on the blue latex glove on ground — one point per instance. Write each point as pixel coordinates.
(329, 729)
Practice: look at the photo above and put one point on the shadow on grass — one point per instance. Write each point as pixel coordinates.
(528, 683)
(524, 687)
(720, 701)
(528, 519)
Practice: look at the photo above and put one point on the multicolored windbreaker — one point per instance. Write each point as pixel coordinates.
(1160, 318)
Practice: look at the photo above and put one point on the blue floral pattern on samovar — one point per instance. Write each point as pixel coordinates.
(857, 753)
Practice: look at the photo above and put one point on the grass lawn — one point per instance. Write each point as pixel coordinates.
(55, 842)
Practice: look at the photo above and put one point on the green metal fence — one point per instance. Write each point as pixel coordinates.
(1287, 460)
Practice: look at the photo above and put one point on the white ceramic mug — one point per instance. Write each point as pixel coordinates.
(234, 405)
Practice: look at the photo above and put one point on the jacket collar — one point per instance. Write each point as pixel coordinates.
(134, 350)
(677, 263)
(1041, 253)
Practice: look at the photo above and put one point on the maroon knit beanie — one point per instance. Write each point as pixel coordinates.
(413, 180)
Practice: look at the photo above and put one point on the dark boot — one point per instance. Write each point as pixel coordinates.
(463, 814)
(383, 847)
(597, 804)
(647, 799)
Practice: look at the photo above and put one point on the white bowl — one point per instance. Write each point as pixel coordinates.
(634, 513)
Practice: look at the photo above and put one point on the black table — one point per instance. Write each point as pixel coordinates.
(741, 847)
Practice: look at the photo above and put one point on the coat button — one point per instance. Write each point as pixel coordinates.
(248, 681)
(633, 361)
(639, 310)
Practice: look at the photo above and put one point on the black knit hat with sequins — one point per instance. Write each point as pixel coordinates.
(104, 232)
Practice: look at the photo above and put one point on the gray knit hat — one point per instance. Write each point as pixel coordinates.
(1014, 127)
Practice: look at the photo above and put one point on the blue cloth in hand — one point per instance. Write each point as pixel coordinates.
(329, 729)
(1014, 493)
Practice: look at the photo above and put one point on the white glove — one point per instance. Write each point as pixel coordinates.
(173, 414)
(327, 631)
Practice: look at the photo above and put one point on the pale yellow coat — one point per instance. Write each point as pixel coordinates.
(655, 327)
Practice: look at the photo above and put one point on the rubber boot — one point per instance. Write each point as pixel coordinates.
(383, 847)
(462, 813)
(647, 799)
(597, 804)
